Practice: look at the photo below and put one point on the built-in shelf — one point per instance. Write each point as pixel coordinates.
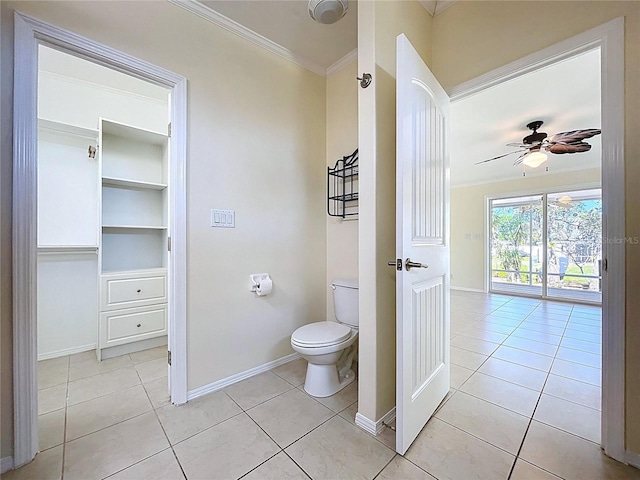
(137, 184)
(134, 227)
(66, 249)
(67, 128)
(130, 132)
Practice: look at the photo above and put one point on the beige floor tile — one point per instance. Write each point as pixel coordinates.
(570, 417)
(547, 320)
(257, 389)
(280, 467)
(399, 468)
(51, 429)
(485, 335)
(53, 372)
(289, 416)
(587, 337)
(571, 457)
(511, 372)
(537, 336)
(459, 375)
(467, 359)
(474, 344)
(158, 392)
(577, 356)
(293, 372)
(574, 391)
(338, 449)
(522, 357)
(98, 413)
(228, 450)
(183, 421)
(149, 354)
(110, 450)
(494, 327)
(532, 346)
(581, 327)
(496, 425)
(83, 356)
(501, 319)
(349, 413)
(53, 398)
(500, 392)
(578, 372)
(582, 345)
(525, 471)
(387, 437)
(161, 466)
(46, 466)
(341, 400)
(100, 385)
(539, 327)
(91, 366)
(152, 369)
(451, 454)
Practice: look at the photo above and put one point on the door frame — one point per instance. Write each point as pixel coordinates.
(609, 38)
(28, 35)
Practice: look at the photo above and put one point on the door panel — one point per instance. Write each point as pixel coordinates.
(422, 206)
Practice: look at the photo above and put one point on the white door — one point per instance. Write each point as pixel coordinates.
(422, 202)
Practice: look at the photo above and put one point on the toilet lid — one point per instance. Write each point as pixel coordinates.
(321, 334)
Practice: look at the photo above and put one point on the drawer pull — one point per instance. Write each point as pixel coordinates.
(139, 290)
(139, 325)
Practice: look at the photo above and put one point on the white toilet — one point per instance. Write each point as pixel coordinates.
(327, 346)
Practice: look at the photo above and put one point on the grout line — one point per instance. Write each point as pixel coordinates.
(64, 433)
(385, 466)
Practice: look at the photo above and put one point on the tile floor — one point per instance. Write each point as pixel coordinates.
(524, 404)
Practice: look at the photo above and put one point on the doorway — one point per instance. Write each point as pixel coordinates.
(30, 35)
(547, 245)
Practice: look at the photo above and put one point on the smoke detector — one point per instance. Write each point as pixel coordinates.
(328, 11)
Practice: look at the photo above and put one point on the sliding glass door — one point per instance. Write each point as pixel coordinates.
(547, 245)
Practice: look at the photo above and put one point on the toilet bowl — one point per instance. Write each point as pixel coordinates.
(328, 347)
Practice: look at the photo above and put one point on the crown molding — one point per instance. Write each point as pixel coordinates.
(435, 7)
(343, 62)
(429, 6)
(226, 23)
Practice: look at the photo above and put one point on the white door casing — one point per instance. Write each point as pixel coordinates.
(422, 229)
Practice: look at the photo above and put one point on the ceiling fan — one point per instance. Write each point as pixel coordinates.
(534, 147)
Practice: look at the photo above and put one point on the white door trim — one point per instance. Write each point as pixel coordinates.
(609, 38)
(29, 33)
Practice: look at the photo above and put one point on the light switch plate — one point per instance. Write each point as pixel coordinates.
(223, 218)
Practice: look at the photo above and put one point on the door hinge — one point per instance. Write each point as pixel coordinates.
(169, 357)
(604, 265)
(169, 129)
(169, 244)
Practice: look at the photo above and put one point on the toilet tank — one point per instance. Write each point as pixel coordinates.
(345, 301)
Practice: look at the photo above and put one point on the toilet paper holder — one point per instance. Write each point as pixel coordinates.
(256, 279)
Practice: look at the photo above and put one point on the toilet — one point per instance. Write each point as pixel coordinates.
(328, 346)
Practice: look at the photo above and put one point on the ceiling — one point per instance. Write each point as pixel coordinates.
(566, 96)
(288, 24)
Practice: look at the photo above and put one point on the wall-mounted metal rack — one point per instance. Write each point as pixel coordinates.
(342, 187)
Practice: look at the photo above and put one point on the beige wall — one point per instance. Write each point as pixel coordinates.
(342, 139)
(379, 23)
(468, 211)
(256, 144)
(472, 38)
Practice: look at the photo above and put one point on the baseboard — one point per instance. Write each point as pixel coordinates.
(465, 289)
(66, 351)
(374, 428)
(6, 464)
(632, 458)
(225, 382)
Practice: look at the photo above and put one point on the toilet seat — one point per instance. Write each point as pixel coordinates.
(320, 334)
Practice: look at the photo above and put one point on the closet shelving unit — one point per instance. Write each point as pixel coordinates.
(342, 187)
(134, 235)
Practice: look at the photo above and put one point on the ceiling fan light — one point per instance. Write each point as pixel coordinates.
(328, 11)
(535, 159)
(566, 199)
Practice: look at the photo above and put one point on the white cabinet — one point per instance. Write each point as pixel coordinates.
(133, 234)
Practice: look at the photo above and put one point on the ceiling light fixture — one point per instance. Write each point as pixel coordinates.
(535, 159)
(328, 11)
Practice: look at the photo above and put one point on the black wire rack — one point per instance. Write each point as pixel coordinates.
(342, 187)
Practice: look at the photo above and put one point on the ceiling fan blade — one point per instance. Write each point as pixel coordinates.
(575, 136)
(519, 160)
(500, 156)
(519, 145)
(562, 148)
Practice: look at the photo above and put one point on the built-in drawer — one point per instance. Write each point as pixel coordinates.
(132, 324)
(134, 289)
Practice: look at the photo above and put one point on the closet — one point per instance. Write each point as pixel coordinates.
(102, 210)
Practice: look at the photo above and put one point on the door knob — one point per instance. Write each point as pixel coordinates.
(409, 264)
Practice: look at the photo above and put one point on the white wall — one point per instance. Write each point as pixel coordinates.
(468, 212)
(342, 139)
